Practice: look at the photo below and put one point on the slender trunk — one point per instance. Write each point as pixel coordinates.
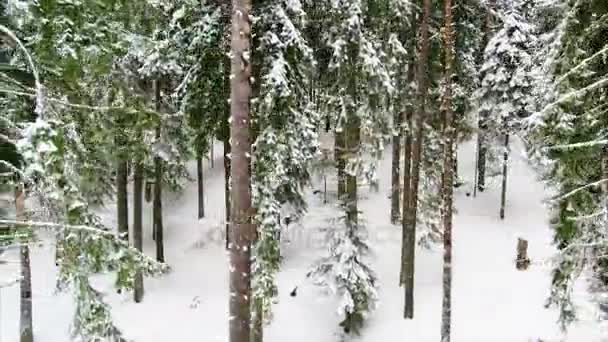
(200, 187)
(25, 322)
(157, 209)
(211, 154)
(340, 146)
(396, 172)
(449, 171)
(122, 200)
(242, 229)
(505, 162)
(605, 184)
(407, 159)
(227, 192)
(416, 161)
(407, 169)
(481, 153)
(483, 116)
(138, 176)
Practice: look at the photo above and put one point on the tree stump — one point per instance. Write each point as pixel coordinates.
(522, 261)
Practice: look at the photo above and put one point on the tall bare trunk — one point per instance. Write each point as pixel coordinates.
(483, 116)
(138, 176)
(416, 160)
(25, 323)
(407, 169)
(227, 192)
(157, 209)
(396, 172)
(226, 15)
(122, 201)
(605, 184)
(242, 229)
(450, 133)
(339, 148)
(200, 186)
(505, 165)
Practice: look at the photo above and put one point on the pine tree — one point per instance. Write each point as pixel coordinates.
(570, 125)
(357, 79)
(506, 85)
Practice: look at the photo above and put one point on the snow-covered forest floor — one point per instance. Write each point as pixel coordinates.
(492, 301)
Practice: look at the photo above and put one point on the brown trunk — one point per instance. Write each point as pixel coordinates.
(483, 116)
(200, 187)
(25, 322)
(138, 175)
(227, 173)
(122, 200)
(241, 227)
(522, 261)
(396, 172)
(340, 147)
(422, 81)
(505, 164)
(407, 169)
(226, 15)
(211, 154)
(448, 171)
(407, 159)
(157, 209)
(605, 183)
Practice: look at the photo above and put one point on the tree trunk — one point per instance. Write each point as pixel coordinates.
(211, 154)
(138, 175)
(227, 192)
(407, 169)
(416, 161)
(505, 164)
(481, 153)
(226, 15)
(242, 229)
(122, 200)
(407, 161)
(522, 261)
(157, 209)
(448, 172)
(25, 323)
(340, 147)
(483, 116)
(396, 172)
(605, 177)
(200, 187)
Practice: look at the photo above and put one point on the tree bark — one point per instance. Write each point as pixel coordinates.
(407, 161)
(448, 171)
(138, 175)
(505, 164)
(227, 192)
(200, 187)
(122, 201)
(25, 323)
(483, 116)
(422, 80)
(241, 227)
(605, 184)
(157, 209)
(407, 169)
(340, 147)
(396, 172)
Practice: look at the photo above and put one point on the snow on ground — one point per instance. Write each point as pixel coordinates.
(492, 301)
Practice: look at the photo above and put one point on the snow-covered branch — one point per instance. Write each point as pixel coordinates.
(590, 185)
